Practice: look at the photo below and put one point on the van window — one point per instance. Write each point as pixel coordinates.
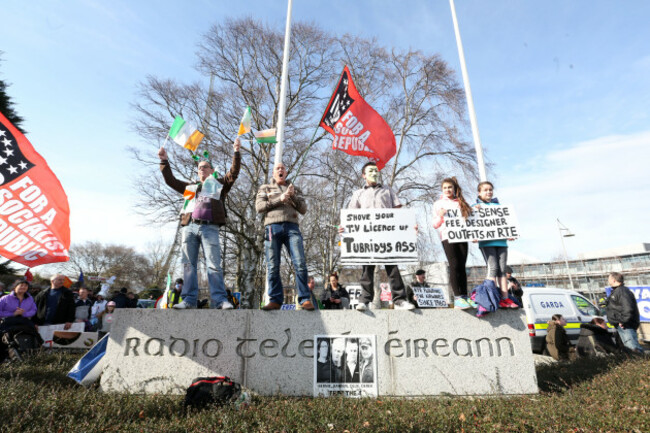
(584, 306)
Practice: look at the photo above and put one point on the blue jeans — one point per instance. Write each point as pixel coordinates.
(206, 235)
(287, 234)
(629, 338)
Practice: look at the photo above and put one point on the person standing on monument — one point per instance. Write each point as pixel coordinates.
(377, 196)
(203, 212)
(452, 199)
(280, 202)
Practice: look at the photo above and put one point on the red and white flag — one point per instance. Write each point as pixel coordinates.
(34, 211)
(357, 128)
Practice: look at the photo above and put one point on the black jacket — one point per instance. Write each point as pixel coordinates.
(340, 293)
(597, 341)
(410, 295)
(622, 308)
(65, 310)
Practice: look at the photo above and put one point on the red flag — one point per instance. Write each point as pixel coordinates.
(357, 128)
(34, 211)
(28, 276)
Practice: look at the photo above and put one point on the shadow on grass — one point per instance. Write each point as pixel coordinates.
(562, 376)
(43, 367)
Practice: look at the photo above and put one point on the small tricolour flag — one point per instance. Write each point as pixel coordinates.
(266, 136)
(185, 134)
(245, 125)
(162, 301)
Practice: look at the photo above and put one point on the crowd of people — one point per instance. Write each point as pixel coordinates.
(60, 305)
(280, 203)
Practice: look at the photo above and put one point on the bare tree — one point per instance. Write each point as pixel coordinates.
(416, 93)
(96, 259)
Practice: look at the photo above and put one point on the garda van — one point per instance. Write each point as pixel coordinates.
(541, 303)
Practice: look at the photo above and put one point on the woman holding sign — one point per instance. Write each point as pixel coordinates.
(452, 200)
(494, 252)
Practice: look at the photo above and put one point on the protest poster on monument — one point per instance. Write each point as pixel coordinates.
(430, 297)
(345, 365)
(378, 236)
(484, 224)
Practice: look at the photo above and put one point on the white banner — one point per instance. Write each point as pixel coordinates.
(487, 223)
(378, 236)
(430, 297)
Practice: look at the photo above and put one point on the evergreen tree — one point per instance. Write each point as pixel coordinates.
(7, 106)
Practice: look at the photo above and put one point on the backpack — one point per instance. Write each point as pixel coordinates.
(18, 337)
(487, 295)
(207, 391)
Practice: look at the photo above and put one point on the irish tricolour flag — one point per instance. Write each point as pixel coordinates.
(185, 134)
(266, 136)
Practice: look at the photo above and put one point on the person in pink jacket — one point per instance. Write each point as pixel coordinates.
(452, 199)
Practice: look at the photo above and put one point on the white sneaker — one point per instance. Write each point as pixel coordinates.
(183, 306)
(362, 307)
(226, 306)
(403, 304)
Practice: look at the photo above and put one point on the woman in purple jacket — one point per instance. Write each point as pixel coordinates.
(18, 302)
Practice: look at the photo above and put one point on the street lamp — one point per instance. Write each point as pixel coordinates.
(565, 233)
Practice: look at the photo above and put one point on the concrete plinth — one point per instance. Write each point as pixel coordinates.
(419, 353)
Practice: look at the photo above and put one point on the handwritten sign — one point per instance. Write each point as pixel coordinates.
(430, 297)
(487, 223)
(378, 236)
(354, 291)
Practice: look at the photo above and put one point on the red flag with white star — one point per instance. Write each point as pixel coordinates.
(357, 128)
(34, 211)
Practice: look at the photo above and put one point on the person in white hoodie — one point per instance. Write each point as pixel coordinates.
(97, 307)
(452, 199)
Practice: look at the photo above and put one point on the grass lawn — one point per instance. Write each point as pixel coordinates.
(611, 395)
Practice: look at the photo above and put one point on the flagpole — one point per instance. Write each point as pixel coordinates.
(468, 94)
(283, 87)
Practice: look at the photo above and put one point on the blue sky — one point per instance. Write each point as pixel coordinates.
(561, 92)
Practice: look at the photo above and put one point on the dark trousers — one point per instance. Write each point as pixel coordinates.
(368, 283)
(457, 257)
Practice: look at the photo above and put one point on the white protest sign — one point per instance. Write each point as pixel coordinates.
(378, 236)
(484, 224)
(430, 297)
(355, 293)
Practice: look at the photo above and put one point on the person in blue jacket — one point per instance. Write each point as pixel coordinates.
(495, 252)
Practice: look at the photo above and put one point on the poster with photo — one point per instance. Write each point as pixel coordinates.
(345, 365)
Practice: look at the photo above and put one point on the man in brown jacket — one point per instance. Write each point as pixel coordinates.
(203, 211)
(280, 203)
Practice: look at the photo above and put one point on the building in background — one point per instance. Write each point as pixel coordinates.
(588, 273)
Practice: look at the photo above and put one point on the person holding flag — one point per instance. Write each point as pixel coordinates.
(203, 212)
